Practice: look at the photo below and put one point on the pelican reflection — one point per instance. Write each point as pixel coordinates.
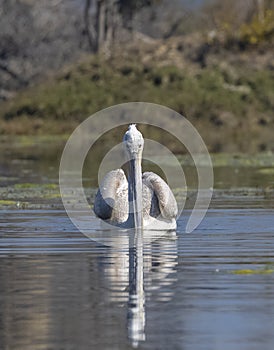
(139, 272)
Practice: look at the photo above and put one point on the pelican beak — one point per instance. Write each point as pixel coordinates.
(136, 177)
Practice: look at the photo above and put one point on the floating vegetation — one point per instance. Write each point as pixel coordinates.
(266, 171)
(253, 271)
(26, 186)
(8, 178)
(52, 196)
(38, 196)
(30, 196)
(9, 203)
(50, 186)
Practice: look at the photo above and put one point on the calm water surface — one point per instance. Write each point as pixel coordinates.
(62, 290)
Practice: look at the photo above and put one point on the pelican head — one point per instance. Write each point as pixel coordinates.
(134, 144)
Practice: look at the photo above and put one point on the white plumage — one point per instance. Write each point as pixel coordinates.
(143, 200)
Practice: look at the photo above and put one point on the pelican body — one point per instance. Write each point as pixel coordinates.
(139, 201)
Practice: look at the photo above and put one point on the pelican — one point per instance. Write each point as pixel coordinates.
(139, 201)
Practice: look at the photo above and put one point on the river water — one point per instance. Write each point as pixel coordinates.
(209, 289)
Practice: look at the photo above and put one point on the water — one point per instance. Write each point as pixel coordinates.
(210, 289)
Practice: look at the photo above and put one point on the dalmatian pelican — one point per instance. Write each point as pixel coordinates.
(142, 201)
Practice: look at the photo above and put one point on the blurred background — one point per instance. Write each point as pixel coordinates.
(213, 62)
(210, 60)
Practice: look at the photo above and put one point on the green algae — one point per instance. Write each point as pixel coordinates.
(6, 202)
(253, 271)
(266, 171)
(28, 185)
(52, 196)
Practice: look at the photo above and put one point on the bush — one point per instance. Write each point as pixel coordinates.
(258, 31)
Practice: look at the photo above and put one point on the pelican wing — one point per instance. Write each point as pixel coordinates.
(166, 201)
(111, 201)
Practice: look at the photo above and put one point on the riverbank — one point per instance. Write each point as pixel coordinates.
(227, 95)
